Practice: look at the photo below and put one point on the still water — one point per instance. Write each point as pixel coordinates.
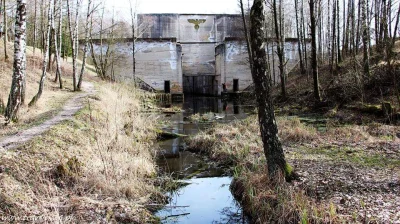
(206, 198)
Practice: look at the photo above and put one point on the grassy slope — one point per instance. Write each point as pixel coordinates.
(98, 166)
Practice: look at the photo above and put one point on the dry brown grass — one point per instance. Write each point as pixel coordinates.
(239, 144)
(97, 167)
(233, 142)
(268, 203)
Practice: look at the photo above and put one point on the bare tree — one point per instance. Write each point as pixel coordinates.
(5, 29)
(365, 27)
(269, 132)
(17, 85)
(35, 28)
(246, 33)
(280, 50)
(57, 47)
(73, 31)
(133, 17)
(46, 55)
(314, 62)
(85, 49)
(299, 42)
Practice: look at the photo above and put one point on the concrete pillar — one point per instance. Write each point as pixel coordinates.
(179, 65)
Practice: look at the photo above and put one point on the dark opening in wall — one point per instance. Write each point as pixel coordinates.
(167, 86)
(235, 85)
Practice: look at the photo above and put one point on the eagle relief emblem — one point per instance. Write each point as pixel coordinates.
(196, 22)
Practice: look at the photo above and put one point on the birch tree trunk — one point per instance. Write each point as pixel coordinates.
(269, 132)
(5, 30)
(73, 31)
(17, 86)
(85, 49)
(56, 46)
(46, 55)
(60, 43)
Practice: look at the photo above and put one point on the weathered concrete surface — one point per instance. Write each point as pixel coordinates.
(159, 25)
(191, 27)
(157, 61)
(199, 35)
(232, 63)
(196, 28)
(195, 53)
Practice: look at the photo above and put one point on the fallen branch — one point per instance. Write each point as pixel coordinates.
(183, 214)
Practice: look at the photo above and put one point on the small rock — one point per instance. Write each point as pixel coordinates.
(2, 169)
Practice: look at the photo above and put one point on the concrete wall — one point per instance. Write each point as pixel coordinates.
(196, 53)
(232, 62)
(190, 27)
(235, 65)
(159, 61)
(291, 56)
(196, 28)
(156, 62)
(158, 25)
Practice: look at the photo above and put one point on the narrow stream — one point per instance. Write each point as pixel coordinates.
(206, 198)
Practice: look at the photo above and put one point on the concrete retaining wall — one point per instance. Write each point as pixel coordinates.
(195, 53)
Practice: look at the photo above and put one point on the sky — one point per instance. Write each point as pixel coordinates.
(179, 6)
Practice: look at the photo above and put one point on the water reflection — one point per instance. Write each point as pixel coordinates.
(204, 200)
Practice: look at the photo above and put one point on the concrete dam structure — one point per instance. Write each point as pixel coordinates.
(190, 53)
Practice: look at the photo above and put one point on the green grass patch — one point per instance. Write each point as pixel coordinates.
(355, 156)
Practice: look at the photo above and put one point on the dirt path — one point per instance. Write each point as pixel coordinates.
(70, 108)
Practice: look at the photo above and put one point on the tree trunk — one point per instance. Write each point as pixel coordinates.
(304, 36)
(377, 22)
(5, 30)
(334, 20)
(246, 34)
(133, 15)
(339, 56)
(34, 28)
(365, 31)
(42, 25)
(57, 47)
(269, 132)
(85, 49)
(46, 52)
(279, 49)
(73, 38)
(314, 62)
(329, 37)
(358, 27)
(17, 86)
(344, 28)
(299, 42)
